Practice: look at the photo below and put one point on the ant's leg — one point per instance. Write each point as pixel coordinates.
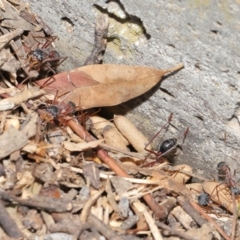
(185, 134)
(164, 126)
(150, 151)
(47, 42)
(51, 61)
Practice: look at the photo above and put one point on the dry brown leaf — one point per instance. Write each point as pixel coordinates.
(107, 85)
(67, 82)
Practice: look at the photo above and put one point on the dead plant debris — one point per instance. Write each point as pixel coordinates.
(67, 173)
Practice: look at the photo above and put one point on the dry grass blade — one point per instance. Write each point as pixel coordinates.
(87, 206)
(151, 223)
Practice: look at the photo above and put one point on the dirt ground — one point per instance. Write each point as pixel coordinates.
(67, 172)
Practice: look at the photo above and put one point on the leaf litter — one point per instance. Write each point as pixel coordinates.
(67, 173)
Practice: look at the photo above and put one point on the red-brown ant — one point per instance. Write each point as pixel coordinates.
(43, 59)
(56, 110)
(225, 175)
(165, 147)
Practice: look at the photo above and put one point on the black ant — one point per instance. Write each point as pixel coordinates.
(165, 147)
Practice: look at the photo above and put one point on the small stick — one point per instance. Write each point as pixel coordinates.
(100, 41)
(172, 230)
(7, 223)
(45, 203)
(235, 214)
(88, 204)
(150, 221)
(191, 211)
(104, 229)
(199, 209)
(4, 116)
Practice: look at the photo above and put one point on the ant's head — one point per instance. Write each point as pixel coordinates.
(53, 54)
(72, 105)
(222, 168)
(221, 165)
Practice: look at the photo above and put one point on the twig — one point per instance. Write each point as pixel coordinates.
(199, 209)
(172, 230)
(88, 204)
(100, 41)
(235, 214)
(7, 223)
(40, 202)
(191, 211)
(105, 230)
(151, 223)
(4, 116)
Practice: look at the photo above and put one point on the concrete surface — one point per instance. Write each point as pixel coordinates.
(204, 35)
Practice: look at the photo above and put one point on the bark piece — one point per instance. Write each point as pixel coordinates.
(11, 141)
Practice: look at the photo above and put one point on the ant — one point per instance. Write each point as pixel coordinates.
(225, 175)
(57, 110)
(165, 147)
(43, 59)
